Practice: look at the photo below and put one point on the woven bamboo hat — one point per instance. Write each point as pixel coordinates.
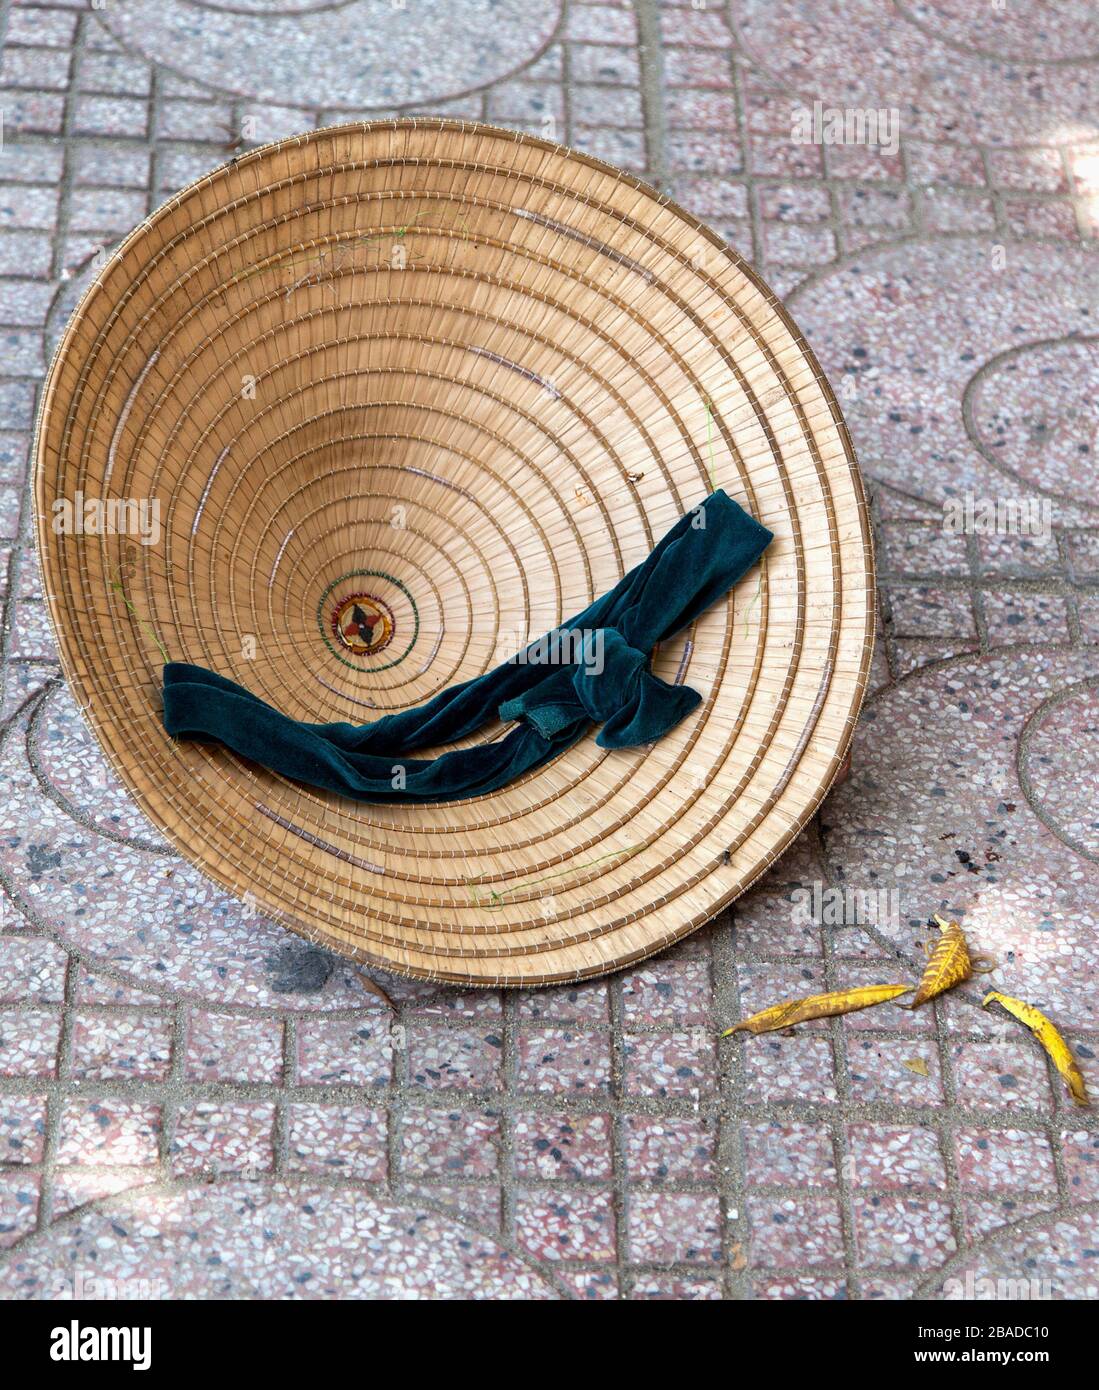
(463, 379)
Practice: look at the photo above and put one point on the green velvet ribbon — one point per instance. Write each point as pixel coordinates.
(607, 682)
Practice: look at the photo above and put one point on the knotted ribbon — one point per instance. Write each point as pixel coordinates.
(697, 562)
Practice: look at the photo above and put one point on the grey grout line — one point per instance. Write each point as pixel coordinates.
(729, 1153)
(618, 1124)
(650, 55)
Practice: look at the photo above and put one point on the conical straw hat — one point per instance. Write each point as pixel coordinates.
(465, 379)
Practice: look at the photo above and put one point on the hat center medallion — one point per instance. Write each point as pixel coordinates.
(362, 623)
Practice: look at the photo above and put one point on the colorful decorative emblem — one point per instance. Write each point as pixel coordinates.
(362, 623)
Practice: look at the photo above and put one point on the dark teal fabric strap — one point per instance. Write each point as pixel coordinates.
(606, 681)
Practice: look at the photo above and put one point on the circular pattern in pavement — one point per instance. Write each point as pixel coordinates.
(357, 56)
(949, 68)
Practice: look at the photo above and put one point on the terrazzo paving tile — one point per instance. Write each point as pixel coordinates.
(22, 1128)
(674, 1228)
(789, 1154)
(340, 1140)
(109, 1131)
(213, 1137)
(789, 1068)
(32, 969)
(671, 1065)
(676, 1288)
(29, 1040)
(669, 1149)
(1000, 1075)
(566, 1225)
(208, 1242)
(1022, 617)
(898, 1071)
(1080, 1155)
(109, 1047)
(556, 1059)
(223, 1047)
(907, 1231)
(889, 1156)
(947, 286)
(18, 1205)
(795, 1231)
(360, 1052)
(454, 1058)
(562, 1146)
(444, 1142)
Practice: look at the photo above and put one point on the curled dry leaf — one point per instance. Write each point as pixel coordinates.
(1059, 1051)
(948, 964)
(840, 1001)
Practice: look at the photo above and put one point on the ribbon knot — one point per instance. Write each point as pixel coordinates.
(611, 685)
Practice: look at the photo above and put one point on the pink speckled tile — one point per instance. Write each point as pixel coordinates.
(934, 164)
(921, 611)
(18, 1204)
(955, 210)
(995, 1075)
(470, 1202)
(675, 1288)
(800, 1287)
(1022, 617)
(913, 1232)
(863, 162)
(1010, 554)
(892, 1015)
(567, 1003)
(218, 1137)
(789, 1068)
(1041, 217)
(359, 1052)
(923, 548)
(674, 1228)
(591, 1285)
(454, 1058)
(984, 1215)
(766, 983)
(668, 993)
(28, 1042)
(76, 1187)
(701, 152)
(112, 1046)
(31, 969)
(789, 1154)
(670, 1064)
(227, 1047)
(22, 1128)
(340, 1140)
(1010, 1158)
(551, 1146)
(109, 1131)
(434, 1143)
(558, 1059)
(559, 1224)
(892, 1070)
(892, 1156)
(1080, 1154)
(1040, 170)
(670, 1149)
(795, 1232)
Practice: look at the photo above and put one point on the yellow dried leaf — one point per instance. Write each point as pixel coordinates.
(948, 964)
(918, 1065)
(1059, 1051)
(840, 1001)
